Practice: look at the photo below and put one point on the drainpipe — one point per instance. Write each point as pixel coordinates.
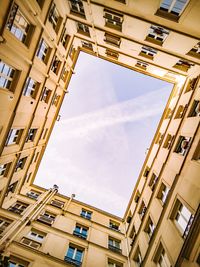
(127, 243)
(66, 206)
(29, 215)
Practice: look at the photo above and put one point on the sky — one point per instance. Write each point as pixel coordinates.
(108, 120)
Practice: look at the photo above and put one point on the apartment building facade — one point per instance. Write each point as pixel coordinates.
(39, 44)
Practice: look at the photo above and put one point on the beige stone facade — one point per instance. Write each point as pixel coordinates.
(40, 41)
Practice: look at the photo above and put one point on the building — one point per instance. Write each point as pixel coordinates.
(39, 44)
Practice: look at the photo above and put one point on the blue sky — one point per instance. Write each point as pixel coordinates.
(108, 120)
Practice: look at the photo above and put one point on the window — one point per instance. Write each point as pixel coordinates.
(72, 51)
(18, 207)
(183, 65)
(17, 262)
(33, 194)
(30, 243)
(55, 100)
(11, 188)
(181, 216)
(7, 74)
(74, 255)
(183, 145)
(65, 38)
(64, 74)
(113, 20)
(180, 112)
(20, 164)
(4, 223)
(113, 263)
(4, 168)
(142, 210)
(138, 257)
(196, 155)
(87, 45)
(146, 171)
(83, 29)
(133, 234)
(168, 114)
(148, 52)
(57, 203)
(55, 66)
(31, 135)
(149, 228)
(54, 18)
(157, 34)
(18, 25)
(34, 239)
(153, 181)
(168, 141)
(114, 225)
(43, 51)
(114, 245)
(31, 88)
(112, 54)
(172, 9)
(14, 136)
(159, 138)
(195, 109)
(81, 231)
(142, 65)
(46, 94)
(112, 39)
(163, 193)
(47, 218)
(77, 7)
(137, 196)
(86, 214)
(161, 258)
(191, 85)
(195, 51)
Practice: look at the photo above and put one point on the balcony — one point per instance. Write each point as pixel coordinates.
(45, 220)
(81, 235)
(115, 249)
(72, 261)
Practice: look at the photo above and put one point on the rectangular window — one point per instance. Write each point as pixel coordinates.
(11, 188)
(14, 136)
(113, 263)
(18, 207)
(196, 155)
(81, 231)
(87, 45)
(180, 112)
(149, 228)
(153, 181)
(137, 196)
(74, 255)
(157, 34)
(77, 7)
(17, 262)
(20, 164)
(86, 214)
(172, 9)
(33, 194)
(112, 54)
(55, 66)
(138, 257)
(183, 65)
(112, 39)
(7, 74)
(142, 210)
(31, 87)
(47, 218)
(114, 245)
(46, 94)
(65, 38)
(54, 18)
(114, 225)
(83, 29)
(159, 138)
(113, 20)
(161, 258)
(43, 51)
(4, 168)
(195, 109)
(55, 100)
(31, 135)
(4, 223)
(148, 52)
(163, 193)
(57, 203)
(195, 51)
(30, 243)
(168, 141)
(18, 25)
(181, 216)
(64, 74)
(191, 84)
(142, 65)
(183, 145)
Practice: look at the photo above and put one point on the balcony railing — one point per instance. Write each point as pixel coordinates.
(115, 249)
(46, 220)
(81, 235)
(72, 261)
